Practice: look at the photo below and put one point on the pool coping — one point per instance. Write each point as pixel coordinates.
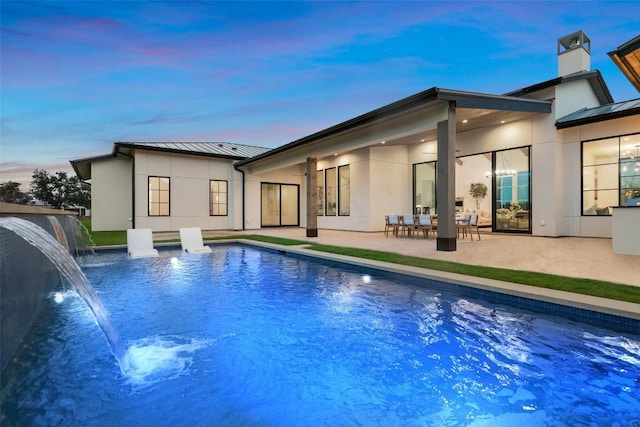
(580, 301)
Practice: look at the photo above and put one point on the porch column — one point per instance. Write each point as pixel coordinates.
(446, 184)
(312, 193)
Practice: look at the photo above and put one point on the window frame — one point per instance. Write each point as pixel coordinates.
(334, 200)
(159, 203)
(340, 195)
(211, 197)
(619, 165)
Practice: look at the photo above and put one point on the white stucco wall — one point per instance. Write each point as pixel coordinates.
(189, 191)
(390, 184)
(111, 194)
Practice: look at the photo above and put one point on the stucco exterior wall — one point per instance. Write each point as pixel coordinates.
(111, 196)
(189, 191)
(390, 183)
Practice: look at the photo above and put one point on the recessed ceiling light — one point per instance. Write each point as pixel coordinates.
(382, 142)
(465, 121)
(502, 122)
(335, 154)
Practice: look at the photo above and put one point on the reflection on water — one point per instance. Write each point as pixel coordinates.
(247, 337)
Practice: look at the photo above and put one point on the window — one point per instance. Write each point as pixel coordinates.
(159, 195)
(331, 184)
(424, 187)
(610, 173)
(334, 191)
(218, 198)
(320, 195)
(344, 191)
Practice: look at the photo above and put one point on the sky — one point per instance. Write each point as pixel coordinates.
(77, 76)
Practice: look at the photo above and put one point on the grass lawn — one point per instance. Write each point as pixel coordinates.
(596, 288)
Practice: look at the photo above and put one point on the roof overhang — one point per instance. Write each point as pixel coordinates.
(595, 79)
(627, 58)
(82, 167)
(479, 110)
(188, 148)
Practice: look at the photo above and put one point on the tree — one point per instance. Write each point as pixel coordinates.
(60, 190)
(10, 193)
(478, 191)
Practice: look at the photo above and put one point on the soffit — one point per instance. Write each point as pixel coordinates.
(480, 110)
(627, 58)
(467, 120)
(82, 167)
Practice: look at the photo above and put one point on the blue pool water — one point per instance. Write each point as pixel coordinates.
(247, 337)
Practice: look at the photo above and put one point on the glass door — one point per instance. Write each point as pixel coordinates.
(280, 205)
(512, 190)
(424, 188)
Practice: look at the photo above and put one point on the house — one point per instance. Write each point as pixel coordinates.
(554, 156)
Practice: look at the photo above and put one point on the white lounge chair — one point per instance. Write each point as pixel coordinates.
(191, 240)
(140, 243)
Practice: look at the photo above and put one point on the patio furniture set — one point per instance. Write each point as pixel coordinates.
(413, 225)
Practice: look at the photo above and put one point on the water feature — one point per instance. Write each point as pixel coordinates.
(60, 257)
(59, 232)
(255, 338)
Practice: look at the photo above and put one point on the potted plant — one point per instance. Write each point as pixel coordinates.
(478, 191)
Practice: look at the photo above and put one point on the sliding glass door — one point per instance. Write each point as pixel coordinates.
(280, 205)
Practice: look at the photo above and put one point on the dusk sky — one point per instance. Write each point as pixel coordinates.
(78, 76)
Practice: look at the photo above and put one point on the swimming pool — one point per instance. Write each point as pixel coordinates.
(245, 336)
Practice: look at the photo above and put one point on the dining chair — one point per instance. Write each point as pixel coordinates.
(408, 224)
(393, 224)
(424, 224)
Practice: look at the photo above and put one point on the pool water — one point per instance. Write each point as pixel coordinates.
(248, 337)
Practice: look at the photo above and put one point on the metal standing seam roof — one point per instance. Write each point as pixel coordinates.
(225, 150)
(597, 114)
(215, 149)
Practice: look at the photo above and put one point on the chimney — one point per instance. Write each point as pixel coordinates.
(574, 53)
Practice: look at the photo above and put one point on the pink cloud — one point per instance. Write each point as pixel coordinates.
(22, 171)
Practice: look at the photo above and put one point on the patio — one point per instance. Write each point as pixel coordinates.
(567, 256)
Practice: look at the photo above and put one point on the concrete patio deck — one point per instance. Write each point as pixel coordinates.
(580, 257)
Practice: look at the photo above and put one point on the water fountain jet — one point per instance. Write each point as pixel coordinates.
(36, 236)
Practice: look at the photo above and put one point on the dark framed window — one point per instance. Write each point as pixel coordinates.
(331, 185)
(610, 174)
(218, 197)
(159, 195)
(344, 190)
(320, 194)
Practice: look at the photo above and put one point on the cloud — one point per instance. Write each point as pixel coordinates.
(22, 171)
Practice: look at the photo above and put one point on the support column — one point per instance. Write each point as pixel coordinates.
(446, 184)
(312, 194)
